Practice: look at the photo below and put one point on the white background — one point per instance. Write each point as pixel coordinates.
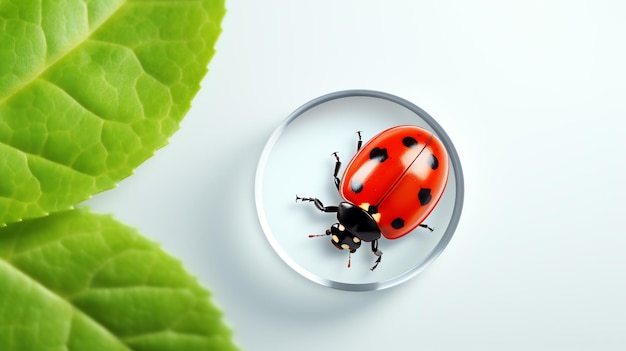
(533, 95)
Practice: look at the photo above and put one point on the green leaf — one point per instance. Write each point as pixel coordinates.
(89, 89)
(80, 281)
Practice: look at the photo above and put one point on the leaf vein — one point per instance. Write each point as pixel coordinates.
(53, 293)
(164, 2)
(131, 338)
(135, 56)
(41, 246)
(54, 60)
(34, 155)
(68, 94)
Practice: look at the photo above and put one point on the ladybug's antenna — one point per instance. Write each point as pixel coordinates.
(349, 258)
(316, 235)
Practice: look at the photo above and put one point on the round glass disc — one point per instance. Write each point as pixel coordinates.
(298, 160)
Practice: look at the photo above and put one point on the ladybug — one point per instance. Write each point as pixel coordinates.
(389, 187)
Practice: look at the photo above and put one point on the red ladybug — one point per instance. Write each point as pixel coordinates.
(390, 186)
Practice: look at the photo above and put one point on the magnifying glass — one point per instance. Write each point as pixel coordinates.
(299, 162)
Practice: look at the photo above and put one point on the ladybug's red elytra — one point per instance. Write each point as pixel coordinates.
(390, 186)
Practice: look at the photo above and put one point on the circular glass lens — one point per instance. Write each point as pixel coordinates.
(298, 160)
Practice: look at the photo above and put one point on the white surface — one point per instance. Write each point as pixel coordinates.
(532, 94)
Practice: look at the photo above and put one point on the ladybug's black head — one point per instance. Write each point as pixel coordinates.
(342, 238)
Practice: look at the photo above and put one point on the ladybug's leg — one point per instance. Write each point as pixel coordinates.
(338, 162)
(376, 252)
(427, 227)
(337, 166)
(320, 206)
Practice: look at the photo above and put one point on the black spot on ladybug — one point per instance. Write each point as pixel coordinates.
(397, 223)
(434, 162)
(379, 154)
(372, 209)
(424, 196)
(356, 186)
(409, 141)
